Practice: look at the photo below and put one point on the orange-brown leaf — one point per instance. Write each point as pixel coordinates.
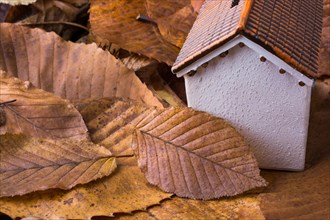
(116, 22)
(194, 154)
(70, 70)
(125, 191)
(30, 164)
(38, 113)
(245, 208)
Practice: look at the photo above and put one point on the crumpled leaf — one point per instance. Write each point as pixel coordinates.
(30, 164)
(246, 207)
(194, 155)
(38, 113)
(126, 190)
(116, 22)
(17, 2)
(70, 70)
(111, 122)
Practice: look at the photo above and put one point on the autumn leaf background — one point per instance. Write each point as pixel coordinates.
(93, 123)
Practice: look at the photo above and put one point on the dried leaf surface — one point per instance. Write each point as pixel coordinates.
(116, 22)
(29, 164)
(50, 15)
(111, 122)
(126, 190)
(38, 113)
(302, 195)
(246, 207)
(17, 2)
(324, 57)
(194, 155)
(70, 70)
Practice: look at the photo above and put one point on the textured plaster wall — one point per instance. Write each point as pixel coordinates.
(268, 108)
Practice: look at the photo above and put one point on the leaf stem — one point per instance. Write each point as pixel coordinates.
(56, 22)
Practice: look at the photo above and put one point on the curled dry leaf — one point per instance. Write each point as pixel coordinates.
(125, 191)
(30, 164)
(111, 122)
(17, 2)
(70, 70)
(38, 113)
(116, 22)
(194, 155)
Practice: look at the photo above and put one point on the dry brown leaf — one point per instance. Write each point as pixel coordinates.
(194, 154)
(324, 57)
(116, 22)
(302, 195)
(174, 28)
(126, 190)
(51, 15)
(243, 208)
(70, 70)
(111, 122)
(38, 113)
(17, 2)
(30, 164)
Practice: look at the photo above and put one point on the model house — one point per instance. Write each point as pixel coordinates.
(252, 62)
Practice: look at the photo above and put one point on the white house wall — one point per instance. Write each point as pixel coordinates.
(268, 108)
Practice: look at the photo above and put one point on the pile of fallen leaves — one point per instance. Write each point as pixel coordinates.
(89, 126)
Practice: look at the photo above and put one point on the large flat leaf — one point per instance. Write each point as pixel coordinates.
(29, 164)
(111, 122)
(38, 113)
(125, 191)
(246, 207)
(70, 70)
(116, 22)
(194, 155)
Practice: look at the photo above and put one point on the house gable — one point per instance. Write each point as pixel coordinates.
(290, 29)
(268, 108)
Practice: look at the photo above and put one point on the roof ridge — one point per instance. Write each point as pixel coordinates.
(244, 15)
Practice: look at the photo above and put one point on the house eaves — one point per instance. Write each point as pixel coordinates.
(290, 29)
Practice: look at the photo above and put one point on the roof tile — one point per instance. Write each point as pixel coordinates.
(290, 28)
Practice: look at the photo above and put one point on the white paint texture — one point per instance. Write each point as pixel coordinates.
(268, 108)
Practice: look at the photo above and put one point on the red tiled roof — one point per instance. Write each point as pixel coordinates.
(290, 29)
